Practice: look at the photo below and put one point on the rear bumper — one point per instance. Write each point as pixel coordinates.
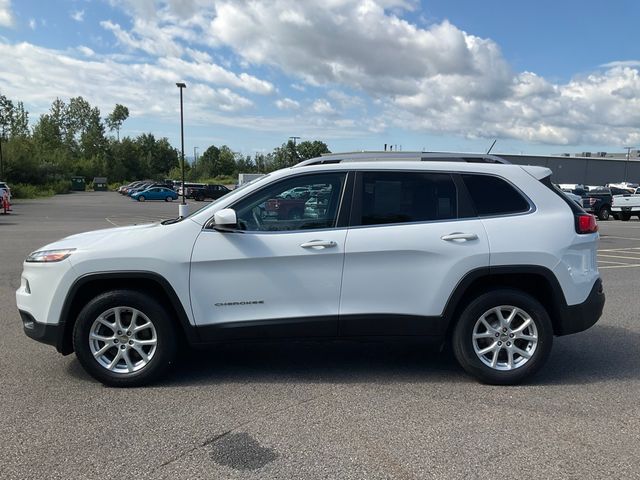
(576, 318)
(41, 332)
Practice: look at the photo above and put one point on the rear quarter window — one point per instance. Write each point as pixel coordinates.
(494, 196)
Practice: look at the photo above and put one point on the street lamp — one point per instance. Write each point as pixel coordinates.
(182, 209)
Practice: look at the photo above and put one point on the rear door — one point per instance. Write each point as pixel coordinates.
(412, 239)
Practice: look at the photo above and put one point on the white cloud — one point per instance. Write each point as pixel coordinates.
(322, 107)
(210, 72)
(78, 15)
(376, 69)
(6, 17)
(287, 104)
(622, 63)
(86, 51)
(38, 75)
(32, 23)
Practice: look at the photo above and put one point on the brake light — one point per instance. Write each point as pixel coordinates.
(586, 223)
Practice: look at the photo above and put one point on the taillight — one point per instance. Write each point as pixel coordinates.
(586, 223)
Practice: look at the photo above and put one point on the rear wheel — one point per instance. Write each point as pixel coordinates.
(169, 199)
(604, 213)
(124, 338)
(624, 216)
(503, 337)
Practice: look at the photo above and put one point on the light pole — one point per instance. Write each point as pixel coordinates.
(626, 164)
(183, 209)
(195, 162)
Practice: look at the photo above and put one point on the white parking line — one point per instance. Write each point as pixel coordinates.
(620, 266)
(619, 249)
(618, 256)
(609, 261)
(622, 238)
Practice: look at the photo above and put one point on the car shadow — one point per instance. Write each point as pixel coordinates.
(602, 354)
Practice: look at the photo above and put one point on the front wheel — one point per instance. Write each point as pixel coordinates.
(124, 338)
(141, 198)
(503, 337)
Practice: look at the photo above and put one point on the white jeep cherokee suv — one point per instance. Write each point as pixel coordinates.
(465, 249)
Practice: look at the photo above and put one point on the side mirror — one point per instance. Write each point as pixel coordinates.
(225, 219)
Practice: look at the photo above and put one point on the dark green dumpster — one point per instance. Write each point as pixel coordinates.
(100, 184)
(77, 184)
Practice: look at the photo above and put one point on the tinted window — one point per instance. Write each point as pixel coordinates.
(494, 196)
(401, 197)
(275, 209)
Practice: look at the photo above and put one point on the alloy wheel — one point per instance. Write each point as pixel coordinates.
(505, 337)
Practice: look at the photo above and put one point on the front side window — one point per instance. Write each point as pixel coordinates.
(275, 208)
(403, 197)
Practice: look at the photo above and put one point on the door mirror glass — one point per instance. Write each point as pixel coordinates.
(225, 218)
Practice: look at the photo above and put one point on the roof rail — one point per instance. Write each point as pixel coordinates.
(333, 158)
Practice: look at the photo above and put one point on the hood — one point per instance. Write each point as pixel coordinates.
(81, 241)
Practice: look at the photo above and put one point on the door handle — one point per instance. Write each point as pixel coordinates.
(459, 236)
(319, 244)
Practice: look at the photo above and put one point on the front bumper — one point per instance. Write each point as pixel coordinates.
(42, 332)
(576, 318)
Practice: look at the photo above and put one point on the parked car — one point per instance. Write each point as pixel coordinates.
(133, 185)
(598, 201)
(486, 256)
(4, 187)
(204, 192)
(179, 186)
(626, 205)
(298, 192)
(155, 193)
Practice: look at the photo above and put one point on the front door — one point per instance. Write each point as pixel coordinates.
(279, 273)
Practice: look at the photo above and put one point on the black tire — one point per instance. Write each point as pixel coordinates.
(463, 342)
(168, 199)
(604, 213)
(141, 198)
(200, 198)
(165, 347)
(625, 217)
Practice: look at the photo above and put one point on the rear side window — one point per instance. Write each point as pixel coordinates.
(494, 196)
(403, 197)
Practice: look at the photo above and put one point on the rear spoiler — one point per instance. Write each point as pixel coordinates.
(537, 172)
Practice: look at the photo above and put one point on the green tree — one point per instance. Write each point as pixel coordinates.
(208, 160)
(226, 162)
(285, 155)
(20, 121)
(116, 118)
(313, 149)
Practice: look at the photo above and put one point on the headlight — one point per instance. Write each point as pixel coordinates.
(47, 256)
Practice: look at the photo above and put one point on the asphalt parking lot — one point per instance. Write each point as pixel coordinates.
(307, 410)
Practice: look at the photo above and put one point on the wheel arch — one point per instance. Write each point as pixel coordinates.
(90, 285)
(537, 281)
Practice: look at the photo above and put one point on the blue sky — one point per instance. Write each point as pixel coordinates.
(542, 77)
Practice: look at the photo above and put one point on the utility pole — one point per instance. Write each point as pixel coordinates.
(294, 140)
(626, 164)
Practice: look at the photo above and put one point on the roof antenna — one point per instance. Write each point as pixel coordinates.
(491, 147)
